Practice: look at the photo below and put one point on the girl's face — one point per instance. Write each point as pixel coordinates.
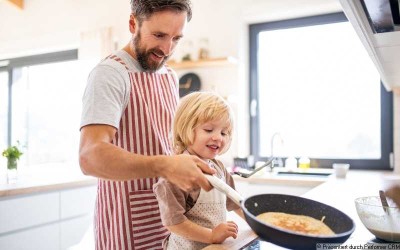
(210, 139)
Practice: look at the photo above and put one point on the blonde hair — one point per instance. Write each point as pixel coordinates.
(195, 109)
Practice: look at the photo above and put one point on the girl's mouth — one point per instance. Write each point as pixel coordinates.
(213, 147)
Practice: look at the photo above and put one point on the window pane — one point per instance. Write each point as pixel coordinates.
(323, 104)
(46, 111)
(3, 109)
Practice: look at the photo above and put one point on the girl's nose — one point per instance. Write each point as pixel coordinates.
(216, 137)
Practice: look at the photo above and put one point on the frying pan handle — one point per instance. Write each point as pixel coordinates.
(225, 188)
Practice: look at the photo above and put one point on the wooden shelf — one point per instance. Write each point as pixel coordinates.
(212, 62)
(18, 3)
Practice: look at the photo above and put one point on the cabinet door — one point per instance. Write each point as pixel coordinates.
(26, 211)
(44, 238)
(73, 230)
(77, 201)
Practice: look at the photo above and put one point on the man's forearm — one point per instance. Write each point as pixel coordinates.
(107, 161)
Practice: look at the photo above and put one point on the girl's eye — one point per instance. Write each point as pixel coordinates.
(208, 130)
(224, 134)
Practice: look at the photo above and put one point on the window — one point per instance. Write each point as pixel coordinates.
(45, 107)
(3, 109)
(316, 93)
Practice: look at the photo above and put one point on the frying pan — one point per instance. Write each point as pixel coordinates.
(339, 222)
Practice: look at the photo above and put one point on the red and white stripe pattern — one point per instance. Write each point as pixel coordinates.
(127, 213)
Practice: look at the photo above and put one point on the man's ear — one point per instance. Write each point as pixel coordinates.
(133, 23)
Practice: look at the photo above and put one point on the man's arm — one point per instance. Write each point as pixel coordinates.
(100, 158)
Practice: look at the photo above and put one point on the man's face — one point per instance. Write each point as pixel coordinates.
(155, 40)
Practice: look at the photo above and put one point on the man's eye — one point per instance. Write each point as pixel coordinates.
(177, 39)
(159, 35)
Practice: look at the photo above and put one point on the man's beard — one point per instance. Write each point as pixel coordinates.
(143, 56)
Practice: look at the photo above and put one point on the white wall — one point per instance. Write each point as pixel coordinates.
(45, 26)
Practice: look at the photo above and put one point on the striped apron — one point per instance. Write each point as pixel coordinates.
(127, 215)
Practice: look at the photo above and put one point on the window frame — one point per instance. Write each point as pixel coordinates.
(386, 161)
(26, 61)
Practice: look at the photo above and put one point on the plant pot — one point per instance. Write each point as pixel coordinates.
(12, 171)
(12, 163)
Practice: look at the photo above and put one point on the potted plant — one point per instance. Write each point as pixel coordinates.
(12, 154)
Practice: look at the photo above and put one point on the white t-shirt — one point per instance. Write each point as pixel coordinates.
(107, 91)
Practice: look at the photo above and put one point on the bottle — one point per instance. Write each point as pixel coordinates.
(304, 162)
(291, 163)
(204, 52)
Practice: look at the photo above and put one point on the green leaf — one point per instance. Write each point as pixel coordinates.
(12, 152)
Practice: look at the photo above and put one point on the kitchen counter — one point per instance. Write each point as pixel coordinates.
(338, 193)
(50, 201)
(46, 178)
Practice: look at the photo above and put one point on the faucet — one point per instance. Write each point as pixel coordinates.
(277, 162)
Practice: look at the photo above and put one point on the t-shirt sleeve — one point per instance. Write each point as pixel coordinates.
(105, 97)
(172, 202)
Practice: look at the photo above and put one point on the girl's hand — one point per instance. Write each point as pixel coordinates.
(224, 230)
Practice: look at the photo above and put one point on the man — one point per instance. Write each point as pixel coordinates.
(128, 106)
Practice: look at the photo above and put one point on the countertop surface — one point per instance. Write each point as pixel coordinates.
(336, 192)
(339, 193)
(45, 178)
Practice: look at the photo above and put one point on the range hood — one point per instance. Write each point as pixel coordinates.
(377, 23)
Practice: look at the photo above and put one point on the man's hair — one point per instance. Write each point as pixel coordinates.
(195, 109)
(143, 9)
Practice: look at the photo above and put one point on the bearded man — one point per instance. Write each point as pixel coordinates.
(128, 108)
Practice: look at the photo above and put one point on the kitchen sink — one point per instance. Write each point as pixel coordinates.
(305, 173)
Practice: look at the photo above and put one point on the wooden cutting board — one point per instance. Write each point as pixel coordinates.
(245, 235)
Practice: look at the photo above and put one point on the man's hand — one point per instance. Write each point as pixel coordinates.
(394, 194)
(186, 171)
(223, 231)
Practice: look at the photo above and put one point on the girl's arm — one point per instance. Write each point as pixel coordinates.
(192, 231)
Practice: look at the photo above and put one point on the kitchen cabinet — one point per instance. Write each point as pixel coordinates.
(47, 220)
(45, 237)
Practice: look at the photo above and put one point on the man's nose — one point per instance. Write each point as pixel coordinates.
(167, 47)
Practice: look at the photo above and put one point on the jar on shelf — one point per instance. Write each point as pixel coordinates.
(204, 52)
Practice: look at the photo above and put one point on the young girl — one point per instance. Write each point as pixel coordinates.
(202, 126)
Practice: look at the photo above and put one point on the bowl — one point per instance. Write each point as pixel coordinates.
(383, 222)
